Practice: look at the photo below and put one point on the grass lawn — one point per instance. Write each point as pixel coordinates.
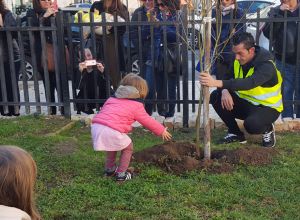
(71, 184)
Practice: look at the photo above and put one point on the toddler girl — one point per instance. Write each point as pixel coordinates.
(111, 125)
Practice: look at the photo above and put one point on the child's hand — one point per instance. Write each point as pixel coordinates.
(166, 135)
(100, 67)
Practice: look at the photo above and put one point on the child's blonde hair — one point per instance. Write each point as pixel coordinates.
(136, 81)
(17, 179)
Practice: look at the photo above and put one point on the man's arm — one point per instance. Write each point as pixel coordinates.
(262, 75)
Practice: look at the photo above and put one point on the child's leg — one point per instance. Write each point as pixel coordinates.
(110, 163)
(125, 158)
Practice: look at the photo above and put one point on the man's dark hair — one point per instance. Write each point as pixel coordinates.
(245, 38)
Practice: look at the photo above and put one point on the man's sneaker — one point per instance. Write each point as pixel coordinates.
(231, 138)
(123, 176)
(268, 138)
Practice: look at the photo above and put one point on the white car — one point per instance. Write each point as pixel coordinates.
(250, 7)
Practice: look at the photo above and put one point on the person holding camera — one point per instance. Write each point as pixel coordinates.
(92, 83)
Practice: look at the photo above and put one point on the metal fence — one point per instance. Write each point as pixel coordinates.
(59, 87)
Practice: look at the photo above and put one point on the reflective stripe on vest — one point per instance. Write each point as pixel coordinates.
(270, 96)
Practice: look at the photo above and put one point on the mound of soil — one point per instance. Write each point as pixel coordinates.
(181, 157)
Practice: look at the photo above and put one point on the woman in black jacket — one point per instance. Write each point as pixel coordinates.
(116, 61)
(42, 11)
(11, 77)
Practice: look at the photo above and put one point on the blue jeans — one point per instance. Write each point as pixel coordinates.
(149, 77)
(291, 89)
(166, 89)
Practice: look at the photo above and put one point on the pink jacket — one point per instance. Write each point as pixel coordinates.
(120, 113)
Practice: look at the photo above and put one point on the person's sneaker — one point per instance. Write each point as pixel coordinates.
(231, 138)
(110, 172)
(124, 176)
(268, 138)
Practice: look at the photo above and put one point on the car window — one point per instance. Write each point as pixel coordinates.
(253, 6)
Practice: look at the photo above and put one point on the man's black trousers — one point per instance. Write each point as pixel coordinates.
(257, 119)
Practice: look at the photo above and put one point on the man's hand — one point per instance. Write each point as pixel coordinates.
(166, 135)
(226, 100)
(207, 80)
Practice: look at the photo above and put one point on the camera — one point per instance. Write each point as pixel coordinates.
(90, 62)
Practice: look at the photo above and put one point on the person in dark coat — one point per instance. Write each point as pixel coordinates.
(11, 76)
(42, 12)
(92, 84)
(116, 62)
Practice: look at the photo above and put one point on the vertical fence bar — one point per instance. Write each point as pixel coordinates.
(62, 65)
(185, 64)
(45, 66)
(2, 77)
(14, 82)
(56, 60)
(71, 53)
(22, 67)
(34, 67)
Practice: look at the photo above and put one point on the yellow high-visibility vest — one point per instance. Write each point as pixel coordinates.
(270, 96)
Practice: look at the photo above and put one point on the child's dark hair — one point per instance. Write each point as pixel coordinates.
(136, 81)
(244, 38)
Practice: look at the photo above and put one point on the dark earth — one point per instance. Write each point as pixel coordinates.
(181, 157)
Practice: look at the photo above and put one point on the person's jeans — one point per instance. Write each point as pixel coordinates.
(149, 77)
(166, 110)
(290, 89)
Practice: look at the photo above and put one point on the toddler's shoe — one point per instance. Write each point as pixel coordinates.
(110, 172)
(124, 176)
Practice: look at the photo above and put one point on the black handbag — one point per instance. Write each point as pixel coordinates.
(171, 59)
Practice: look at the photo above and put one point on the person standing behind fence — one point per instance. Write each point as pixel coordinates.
(43, 11)
(251, 91)
(147, 12)
(288, 67)
(8, 20)
(88, 89)
(222, 34)
(114, 60)
(168, 12)
(17, 179)
(111, 125)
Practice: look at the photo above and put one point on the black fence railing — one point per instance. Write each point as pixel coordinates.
(44, 72)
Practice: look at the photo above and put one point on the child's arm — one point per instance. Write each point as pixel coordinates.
(151, 124)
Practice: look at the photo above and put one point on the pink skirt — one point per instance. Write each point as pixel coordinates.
(108, 139)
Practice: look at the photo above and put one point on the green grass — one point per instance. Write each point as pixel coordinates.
(71, 185)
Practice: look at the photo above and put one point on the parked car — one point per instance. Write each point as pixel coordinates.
(74, 8)
(250, 8)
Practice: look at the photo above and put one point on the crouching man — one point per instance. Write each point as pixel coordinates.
(250, 91)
